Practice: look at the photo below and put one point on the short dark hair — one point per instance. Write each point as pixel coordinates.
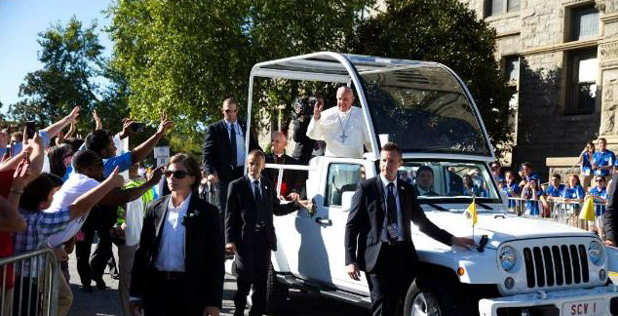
(557, 176)
(390, 146)
(84, 159)
(603, 139)
(38, 191)
(526, 164)
(98, 140)
(193, 168)
(496, 162)
(75, 142)
(424, 169)
(257, 152)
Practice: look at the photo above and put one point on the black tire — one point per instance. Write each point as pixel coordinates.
(436, 296)
(276, 293)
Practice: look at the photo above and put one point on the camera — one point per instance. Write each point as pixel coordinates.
(30, 129)
(305, 106)
(137, 127)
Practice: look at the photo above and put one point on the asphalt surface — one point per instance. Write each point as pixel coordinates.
(104, 303)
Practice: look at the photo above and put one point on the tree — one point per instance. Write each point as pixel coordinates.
(186, 57)
(448, 32)
(72, 59)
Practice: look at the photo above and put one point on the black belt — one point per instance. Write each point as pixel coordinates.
(393, 243)
(170, 275)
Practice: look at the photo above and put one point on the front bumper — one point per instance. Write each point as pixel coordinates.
(595, 301)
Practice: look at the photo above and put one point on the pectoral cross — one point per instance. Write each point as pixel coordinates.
(343, 137)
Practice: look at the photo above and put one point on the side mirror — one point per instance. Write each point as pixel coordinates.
(346, 200)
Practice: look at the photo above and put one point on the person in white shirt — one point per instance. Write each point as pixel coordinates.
(342, 128)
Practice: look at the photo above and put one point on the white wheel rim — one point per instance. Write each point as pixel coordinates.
(425, 305)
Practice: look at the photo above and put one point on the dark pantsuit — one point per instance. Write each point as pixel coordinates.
(256, 265)
(101, 220)
(390, 280)
(167, 296)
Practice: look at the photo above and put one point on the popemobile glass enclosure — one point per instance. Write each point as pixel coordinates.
(422, 106)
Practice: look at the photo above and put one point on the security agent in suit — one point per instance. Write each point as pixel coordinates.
(378, 234)
(179, 266)
(224, 150)
(249, 231)
(424, 182)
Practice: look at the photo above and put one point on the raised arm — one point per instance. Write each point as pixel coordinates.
(11, 221)
(89, 199)
(140, 152)
(119, 197)
(53, 129)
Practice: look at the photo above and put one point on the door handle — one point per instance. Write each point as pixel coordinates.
(323, 221)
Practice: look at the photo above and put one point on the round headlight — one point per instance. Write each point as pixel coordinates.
(595, 252)
(507, 258)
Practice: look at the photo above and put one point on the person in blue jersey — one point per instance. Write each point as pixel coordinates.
(574, 194)
(533, 193)
(599, 192)
(556, 188)
(510, 189)
(470, 188)
(603, 159)
(585, 164)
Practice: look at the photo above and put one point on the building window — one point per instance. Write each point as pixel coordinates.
(584, 23)
(512, 68)
(582, 70)
(495, 7)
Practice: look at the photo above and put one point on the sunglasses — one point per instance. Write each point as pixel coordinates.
(228, 111)
(600, 180)
(178, 174)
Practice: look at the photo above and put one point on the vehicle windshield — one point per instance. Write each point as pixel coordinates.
(423, 109)
(449, 180)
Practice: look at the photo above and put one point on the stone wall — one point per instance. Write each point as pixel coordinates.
(537, 34)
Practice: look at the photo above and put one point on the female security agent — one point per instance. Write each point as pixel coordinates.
(178, 267)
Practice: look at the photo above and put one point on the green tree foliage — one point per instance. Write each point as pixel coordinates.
(186, 57)
(72, 59)
(448, 32)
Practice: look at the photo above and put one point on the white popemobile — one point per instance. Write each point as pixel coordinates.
(522, 266)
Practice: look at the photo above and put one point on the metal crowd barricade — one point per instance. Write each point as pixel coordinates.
(558, 209)
(37, 273)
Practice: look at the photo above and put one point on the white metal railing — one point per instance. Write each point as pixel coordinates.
(35, 290)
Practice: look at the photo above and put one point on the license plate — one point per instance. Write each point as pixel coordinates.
(584, 308)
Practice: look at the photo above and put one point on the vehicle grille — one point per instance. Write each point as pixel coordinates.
(558, 265)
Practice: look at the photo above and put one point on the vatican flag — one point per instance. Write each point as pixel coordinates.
(587, 212)
(470, 212)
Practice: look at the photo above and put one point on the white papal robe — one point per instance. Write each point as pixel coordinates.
(344, 133)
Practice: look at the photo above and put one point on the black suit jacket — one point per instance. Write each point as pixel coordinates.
(610, 218)
(204, 251)
(240, 213)
(218, 149)
(364, 227)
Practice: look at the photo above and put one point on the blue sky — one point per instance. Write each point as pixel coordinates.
(20, 23)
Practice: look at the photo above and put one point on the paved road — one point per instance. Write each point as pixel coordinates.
(103, 303)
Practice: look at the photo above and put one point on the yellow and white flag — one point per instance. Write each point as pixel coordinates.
(470, 212)
(587, 212)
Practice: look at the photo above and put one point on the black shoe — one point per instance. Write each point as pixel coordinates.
(101, 284)
(87, 288)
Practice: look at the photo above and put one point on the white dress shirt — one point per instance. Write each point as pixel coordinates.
(171, 255)
(385, 183)
(240, 141)
(334, 125)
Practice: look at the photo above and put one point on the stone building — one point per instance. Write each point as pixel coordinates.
(562, 56)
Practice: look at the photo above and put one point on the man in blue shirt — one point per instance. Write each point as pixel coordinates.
(603, 160)
(103, 217)
(556, 189)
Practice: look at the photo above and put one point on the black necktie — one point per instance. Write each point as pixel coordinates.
(391, 207)
(259, 204)
(233, 143)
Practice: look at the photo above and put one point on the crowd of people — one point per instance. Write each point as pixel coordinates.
(175, 224)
